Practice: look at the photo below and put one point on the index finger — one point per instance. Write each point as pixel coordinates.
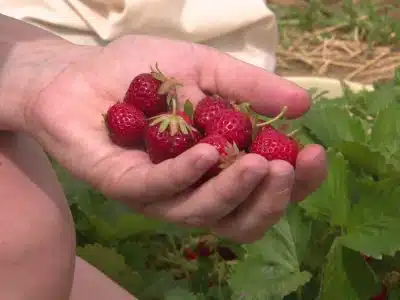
(268, 93)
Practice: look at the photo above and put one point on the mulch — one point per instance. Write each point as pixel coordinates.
(333, 52)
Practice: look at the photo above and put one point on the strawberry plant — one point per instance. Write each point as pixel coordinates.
(340, 243)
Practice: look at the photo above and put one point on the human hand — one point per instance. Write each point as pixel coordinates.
(66, 118)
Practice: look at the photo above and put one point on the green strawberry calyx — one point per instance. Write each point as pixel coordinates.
(172, 121)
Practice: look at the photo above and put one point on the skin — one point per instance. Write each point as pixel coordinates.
(53, 95)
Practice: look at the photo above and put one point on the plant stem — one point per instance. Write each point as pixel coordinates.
(280, 115)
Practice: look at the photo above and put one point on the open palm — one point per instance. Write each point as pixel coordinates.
(67, 120)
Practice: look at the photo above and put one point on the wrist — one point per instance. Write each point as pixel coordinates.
(29, 67)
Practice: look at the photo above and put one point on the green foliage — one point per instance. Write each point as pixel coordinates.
(369, 20)
(315, 252)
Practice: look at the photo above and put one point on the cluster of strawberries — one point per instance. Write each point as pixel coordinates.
(150, 115)
(205, 248)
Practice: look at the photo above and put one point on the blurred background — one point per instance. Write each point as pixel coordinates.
(357, 40)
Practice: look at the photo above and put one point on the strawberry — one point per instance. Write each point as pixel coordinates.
(207, 109)
(383, 294)
(149, 92)
(164, 144)
(228, 153)
(234, 125)
(189, 254)
(185, 117)
(126, 124)
(226, 253)
(273, 144)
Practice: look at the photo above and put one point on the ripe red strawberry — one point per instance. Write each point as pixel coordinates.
(383, 295)
(273, 144)
(228, 153)
(234, 125)
(189, 254)
(207, 109)
(126, 124)
(187, 119)
(169, 135)
(149, 92)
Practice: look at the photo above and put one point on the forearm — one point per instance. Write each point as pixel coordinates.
(29, 58)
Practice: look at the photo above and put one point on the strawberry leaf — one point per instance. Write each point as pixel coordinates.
(271, 268)
(130, 224)
(369, 160)
(386, 132)
(374, 222)
(331, 201)
(394, 294)
(300, 228)
(379, 99)
(321, 239)
(188, 108)
(346, 276)
(331, 125)
(111, 263)
(158, 284)
(179, 294)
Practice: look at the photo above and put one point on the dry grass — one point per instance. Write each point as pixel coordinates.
(338, 52)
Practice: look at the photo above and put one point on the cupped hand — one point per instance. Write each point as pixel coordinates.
(241, 203)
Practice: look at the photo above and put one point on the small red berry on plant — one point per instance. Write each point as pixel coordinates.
(383, 294)
(189, 254)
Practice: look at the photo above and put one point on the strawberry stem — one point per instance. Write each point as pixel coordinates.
(174, 105)
(279, 116)
(294, 132)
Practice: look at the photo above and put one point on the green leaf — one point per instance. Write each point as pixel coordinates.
(71, 186)
(131, 224)
(135, 254)
(271, 269)
(188, 108)
(322, 236)
(158, 284)
(346, 276)
(200, 278)
(254, 280)
(379, 99)
(331, 202)
(300, 228)
(367, 159)
(332, 125)
(111, 263)
(385, 134)
(180, 294)
(394, 294)
(374, 222)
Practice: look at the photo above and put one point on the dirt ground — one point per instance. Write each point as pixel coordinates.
(312, 53)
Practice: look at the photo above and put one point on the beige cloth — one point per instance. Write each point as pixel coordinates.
(246, 29)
